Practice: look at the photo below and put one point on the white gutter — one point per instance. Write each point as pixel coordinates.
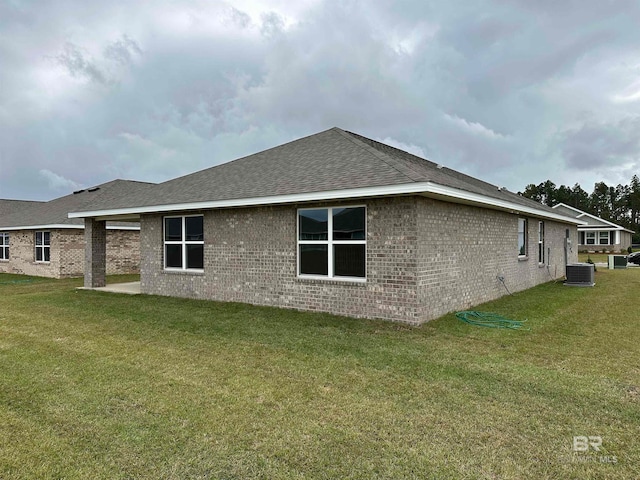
(417, 188)
(605, 228)
(61, 227)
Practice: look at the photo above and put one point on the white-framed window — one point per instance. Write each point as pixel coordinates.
(43, 246)
(603, 238)
(4, 246)
(541, 243)
(590, 238)
(184, 242)
(332, 242)
(522, 237)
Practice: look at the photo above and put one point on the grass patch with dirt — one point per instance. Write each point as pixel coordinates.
(98, 385)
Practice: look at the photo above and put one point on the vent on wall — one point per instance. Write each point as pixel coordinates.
(580, 275)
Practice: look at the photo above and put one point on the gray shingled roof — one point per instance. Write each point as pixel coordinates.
(9, 207)
(55, 212)
(331, 160)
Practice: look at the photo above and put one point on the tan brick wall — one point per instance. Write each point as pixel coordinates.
(250, 256)
(463, 250)
(22, 255)
(424, 258)
(67, 253)
(123, 251)
(72, 246)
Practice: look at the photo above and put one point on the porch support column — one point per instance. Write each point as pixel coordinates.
(95, 253)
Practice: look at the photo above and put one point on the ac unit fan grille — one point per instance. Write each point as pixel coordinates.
(581, 274)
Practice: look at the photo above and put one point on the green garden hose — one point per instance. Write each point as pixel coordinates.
(491, 320)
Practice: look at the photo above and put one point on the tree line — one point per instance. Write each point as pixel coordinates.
(619, 204)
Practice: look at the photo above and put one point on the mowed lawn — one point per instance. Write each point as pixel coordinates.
(96, 385)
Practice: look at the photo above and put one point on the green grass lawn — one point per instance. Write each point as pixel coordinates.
(98, 385)
(596, 257)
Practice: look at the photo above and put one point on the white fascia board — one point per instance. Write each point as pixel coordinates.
(60, 227)
(577, 210)
(585, 214)
(490, 202)
(42, 227)
(603, 220)
(113, 227)
(595, 228)
(603, 228)
(418, 188)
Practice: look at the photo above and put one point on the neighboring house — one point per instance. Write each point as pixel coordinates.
(38, 238)
(596, 234)
(339, 223)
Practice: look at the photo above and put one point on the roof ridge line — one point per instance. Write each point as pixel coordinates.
(406, 171)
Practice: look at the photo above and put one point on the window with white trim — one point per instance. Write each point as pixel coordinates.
(541, 243)
(590, 238)
(603, 238)
(4, 246)
(332, 242)
(43, 246)
(184, 243)
(522, 237)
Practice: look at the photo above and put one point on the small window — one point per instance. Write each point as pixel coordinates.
(184, 243)
(604, 238)
(332, 242)
(4, 246)
(522, 237)
(43, 246)
(590, 237)
(541, 243)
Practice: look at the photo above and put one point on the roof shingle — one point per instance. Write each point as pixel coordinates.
(327, 161)
(55, 212)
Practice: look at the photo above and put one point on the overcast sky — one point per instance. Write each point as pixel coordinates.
(510, 91)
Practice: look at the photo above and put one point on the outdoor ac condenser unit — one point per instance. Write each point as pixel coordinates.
(580, 275)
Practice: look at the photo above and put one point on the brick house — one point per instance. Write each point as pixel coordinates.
(38, 238)
(597, 234)
(339, 223)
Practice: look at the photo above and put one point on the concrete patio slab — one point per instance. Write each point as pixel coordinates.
(130, 288)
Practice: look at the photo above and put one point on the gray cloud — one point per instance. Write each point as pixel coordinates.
(512, 92)
(595, 145)
(79, 64)
(238, 18)
(122, 50)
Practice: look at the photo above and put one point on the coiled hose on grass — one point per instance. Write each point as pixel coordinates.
(490, 320)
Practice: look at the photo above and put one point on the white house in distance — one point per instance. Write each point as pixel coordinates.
(596, 233)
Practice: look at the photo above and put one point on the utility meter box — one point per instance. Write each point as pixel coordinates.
(617, 261)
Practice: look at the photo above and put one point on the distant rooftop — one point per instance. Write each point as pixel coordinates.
(18, 213)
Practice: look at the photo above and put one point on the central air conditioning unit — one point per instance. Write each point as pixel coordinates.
(580, 275)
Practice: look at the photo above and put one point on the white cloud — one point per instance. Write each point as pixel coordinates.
(58, 182)
(407, 147)
(474, 128)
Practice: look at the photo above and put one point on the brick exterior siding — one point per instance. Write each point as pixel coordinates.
(424, 258)
(67, 253)
(463, 250)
